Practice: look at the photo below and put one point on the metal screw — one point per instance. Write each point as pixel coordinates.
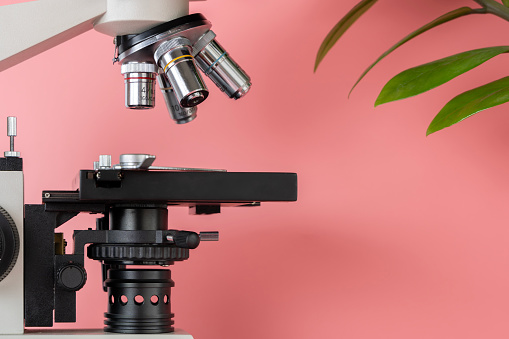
(98, 175)
(47, 195)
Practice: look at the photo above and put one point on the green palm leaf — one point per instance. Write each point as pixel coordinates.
(341, 27)
(422, 78)
(470, 103)
(438, 21)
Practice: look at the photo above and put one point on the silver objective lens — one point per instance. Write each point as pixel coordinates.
(139, 79)
(215, 62)
(181, 115)
(174, 57)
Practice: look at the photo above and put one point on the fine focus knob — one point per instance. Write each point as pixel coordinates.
(71, 277)
(186, 239)
(9, 243)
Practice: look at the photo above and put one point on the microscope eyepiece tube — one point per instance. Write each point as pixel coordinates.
(139, 79)
(181, 115)
(174, 57)
(216, 63)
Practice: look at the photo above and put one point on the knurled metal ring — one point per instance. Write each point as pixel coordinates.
(203, 42)
(137, 253)
(138, 67)
(170, 45)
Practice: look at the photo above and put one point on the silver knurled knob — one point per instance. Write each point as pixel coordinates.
(104, 161)
(209, 236)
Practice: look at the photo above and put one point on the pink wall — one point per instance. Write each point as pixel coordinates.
(395, 235)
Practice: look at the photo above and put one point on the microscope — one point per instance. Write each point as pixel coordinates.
(154, 40)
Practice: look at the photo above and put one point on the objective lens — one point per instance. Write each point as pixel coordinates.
(139, 79)
(174, 57)
(181, 115)
(215, 62)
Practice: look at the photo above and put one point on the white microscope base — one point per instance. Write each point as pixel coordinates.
(94, 334)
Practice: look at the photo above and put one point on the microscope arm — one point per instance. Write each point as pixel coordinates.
(30, 28)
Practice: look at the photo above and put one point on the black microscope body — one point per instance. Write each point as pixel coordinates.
(132, 229)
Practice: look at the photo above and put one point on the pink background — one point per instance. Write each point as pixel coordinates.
(395, 235)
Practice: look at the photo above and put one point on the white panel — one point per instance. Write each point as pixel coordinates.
(29, 28)
(136, 16)
(96, 334)
(11, 288)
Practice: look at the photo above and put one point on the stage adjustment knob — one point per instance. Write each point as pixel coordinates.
(9, 243)
(186, 239)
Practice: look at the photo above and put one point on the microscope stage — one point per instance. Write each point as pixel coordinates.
(96, 334)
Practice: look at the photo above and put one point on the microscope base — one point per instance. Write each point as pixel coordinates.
(93, 334)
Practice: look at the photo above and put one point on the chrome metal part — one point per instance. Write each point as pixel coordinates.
(174, 57)
(209, 236)
(181, 115)
(139, 79)
(203, 41)
(11, 133)
(216, 63)
(9, 154)
(138, 67)
(11, 126)
(177, 51)
(144, 162)
(135, 161)
(104, 161)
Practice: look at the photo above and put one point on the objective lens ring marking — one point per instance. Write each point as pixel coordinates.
(207, 71)
(182, 56)
(143, 78)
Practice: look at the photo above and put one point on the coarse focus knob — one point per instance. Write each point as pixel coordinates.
(9, 243)
(186, 239)
(71, 277)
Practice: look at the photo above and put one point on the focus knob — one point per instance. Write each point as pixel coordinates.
(71, 277)
(9, 243)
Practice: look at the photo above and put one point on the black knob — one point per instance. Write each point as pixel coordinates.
(71, 277)
(9, 243)
(186, 239)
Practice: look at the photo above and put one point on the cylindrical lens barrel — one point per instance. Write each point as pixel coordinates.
(139, 301)
(139, 79)
(181, 115)
(174, 57)
(138, 218)
(215, 62)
